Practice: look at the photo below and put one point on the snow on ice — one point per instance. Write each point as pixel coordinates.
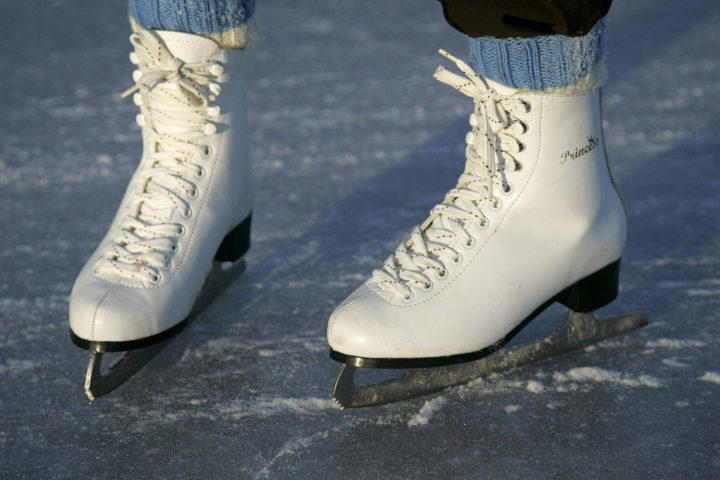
(711, 377)
(595, 374)
(427, 411)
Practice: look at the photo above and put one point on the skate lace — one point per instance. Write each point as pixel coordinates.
(174, 99)
(491, 145)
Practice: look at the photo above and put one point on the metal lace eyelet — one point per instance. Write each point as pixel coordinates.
(174, 248)
(155, 278)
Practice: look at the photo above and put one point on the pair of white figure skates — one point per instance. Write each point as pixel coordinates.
(535, 218)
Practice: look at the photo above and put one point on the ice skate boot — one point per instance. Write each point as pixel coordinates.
(188, 203)
(535, 219)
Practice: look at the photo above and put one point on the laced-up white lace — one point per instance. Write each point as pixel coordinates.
(174, 99)
(491, 145)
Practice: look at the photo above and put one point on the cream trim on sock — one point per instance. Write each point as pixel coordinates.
(239, 37)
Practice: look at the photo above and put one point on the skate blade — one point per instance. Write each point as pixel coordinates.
(579, 331)
(99, 382)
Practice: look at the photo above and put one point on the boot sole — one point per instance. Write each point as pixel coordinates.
(233, 246)
(590, 293)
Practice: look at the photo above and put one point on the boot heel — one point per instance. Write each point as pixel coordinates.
(236, 243)
(594, 291)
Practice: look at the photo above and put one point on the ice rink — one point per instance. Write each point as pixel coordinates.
(353, 141)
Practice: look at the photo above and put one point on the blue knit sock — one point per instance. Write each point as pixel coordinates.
(539, 63)
(225, 21)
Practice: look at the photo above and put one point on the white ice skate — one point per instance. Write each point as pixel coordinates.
(188, 203)
(535, 219)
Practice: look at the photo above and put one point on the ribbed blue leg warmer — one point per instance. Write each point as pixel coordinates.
(225, 21)
(538, 63)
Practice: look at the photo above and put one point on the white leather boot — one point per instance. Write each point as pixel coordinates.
(535, 218)
(189, 201)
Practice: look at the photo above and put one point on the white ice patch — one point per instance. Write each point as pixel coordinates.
(554, 405)
(673, 362)
(711, 377)
(16, 367)
(535, 387)
(594, 374)
(427, 411)
(512, 408)
(703, 292)
(104, 159)
(290, 449)
(674, 343)
(268, 407)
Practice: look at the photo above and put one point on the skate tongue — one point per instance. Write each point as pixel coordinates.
(187, 47)
(174, 106)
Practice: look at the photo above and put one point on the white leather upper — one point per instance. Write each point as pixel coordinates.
(107, 306)
(562, 220)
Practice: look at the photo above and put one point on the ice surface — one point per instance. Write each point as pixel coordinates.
(712, 377)
(535, 386)
(673, 362)
(353, 142)
(674, 343)
(595, 374)
(427, 411)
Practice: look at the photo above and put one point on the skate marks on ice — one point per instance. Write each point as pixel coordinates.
(427, 411)
(99, 382)
(574, 380)
(585, 377)
(269, 406)
(579, 331)
(296, 345)
(601, 375)
(577, 379)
